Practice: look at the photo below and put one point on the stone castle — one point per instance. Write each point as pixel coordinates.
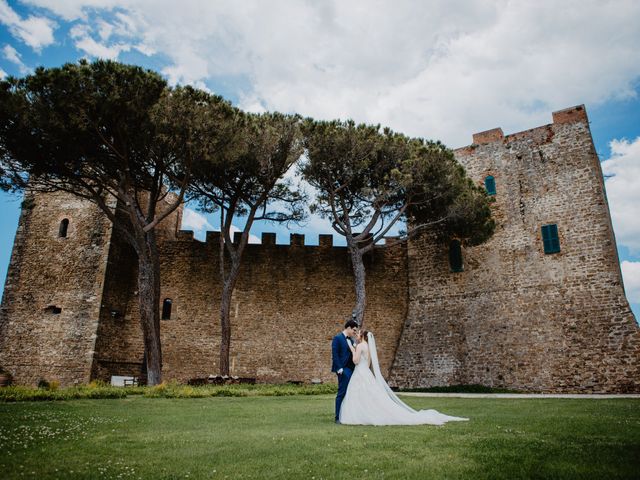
(539, 307)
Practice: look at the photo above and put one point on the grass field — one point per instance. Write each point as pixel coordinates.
(295, 437)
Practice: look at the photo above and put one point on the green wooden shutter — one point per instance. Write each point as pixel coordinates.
(490, 185)
(550, 238)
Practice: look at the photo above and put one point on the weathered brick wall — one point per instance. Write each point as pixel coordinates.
(517, 317)
(119, 345)
(289, 302)
(514, 317)
(47, 271)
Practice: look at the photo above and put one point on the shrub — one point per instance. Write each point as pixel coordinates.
(97, 389)
(98, 384)
(23, 394)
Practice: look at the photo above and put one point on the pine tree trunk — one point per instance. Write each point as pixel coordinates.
(359, 278)
(225, 319)
(149, 302)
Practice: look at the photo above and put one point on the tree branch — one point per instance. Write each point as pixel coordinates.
(172, 207)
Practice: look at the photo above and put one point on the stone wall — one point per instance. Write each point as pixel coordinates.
(514, 317)
(289, 302)
(53, 292)
(119, 345)
(517, 317)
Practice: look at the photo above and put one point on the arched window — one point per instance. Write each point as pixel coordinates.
(455, 256)
(64, 225)
(166, 309)
(550, 238)
(490, 185)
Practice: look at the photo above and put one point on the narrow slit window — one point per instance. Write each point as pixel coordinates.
(64, 226)
(490, 185)
(166, 309)
(455, 256)
(550, 238)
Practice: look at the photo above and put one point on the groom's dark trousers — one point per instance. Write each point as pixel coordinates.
(343, 382)
(341, 359)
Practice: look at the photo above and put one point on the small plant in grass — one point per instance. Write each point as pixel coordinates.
(45, 384)
(98, 384)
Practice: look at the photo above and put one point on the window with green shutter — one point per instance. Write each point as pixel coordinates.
(490, 185)
(455, 256)
(550, 238)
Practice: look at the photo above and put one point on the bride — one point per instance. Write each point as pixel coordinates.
(370, 401)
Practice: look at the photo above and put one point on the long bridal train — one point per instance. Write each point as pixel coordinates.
(370, 401)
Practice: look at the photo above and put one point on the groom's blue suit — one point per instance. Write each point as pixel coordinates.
(341, 359)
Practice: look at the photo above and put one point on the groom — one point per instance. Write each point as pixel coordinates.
(342, 361)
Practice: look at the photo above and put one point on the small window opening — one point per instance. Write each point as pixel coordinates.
(455, 256)
(53, 309)
(550, 238)
(166, 309)
(64, 225)
(490, 185)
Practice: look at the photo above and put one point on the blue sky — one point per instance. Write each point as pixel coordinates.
(437, 69)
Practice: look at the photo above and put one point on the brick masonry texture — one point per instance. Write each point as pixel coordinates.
(289, 302)
(515, 317)
(47, 272)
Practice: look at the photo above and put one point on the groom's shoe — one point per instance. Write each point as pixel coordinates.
(337, 421)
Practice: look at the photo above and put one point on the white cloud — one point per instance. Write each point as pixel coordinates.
(109, 38)
(252, 238)
(13, 56)
(36, 32)
(96, 49)
(623, 191)
(440, 69)
(251, 103)
(81, 34)
(105, 29)
(631, 274)
(3, 74)
(192, 220)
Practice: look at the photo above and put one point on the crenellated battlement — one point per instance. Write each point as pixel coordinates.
(488, 136)
(539, 134)
(269, 239)
(570, 115)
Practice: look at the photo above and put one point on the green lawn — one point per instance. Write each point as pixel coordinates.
(295, 437)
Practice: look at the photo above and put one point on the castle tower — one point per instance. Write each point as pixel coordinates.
(541, 306)
(53, 293)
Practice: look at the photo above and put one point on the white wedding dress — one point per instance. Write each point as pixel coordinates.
(370, 401)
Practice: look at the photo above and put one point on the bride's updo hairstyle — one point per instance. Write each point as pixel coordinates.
(365, 335)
